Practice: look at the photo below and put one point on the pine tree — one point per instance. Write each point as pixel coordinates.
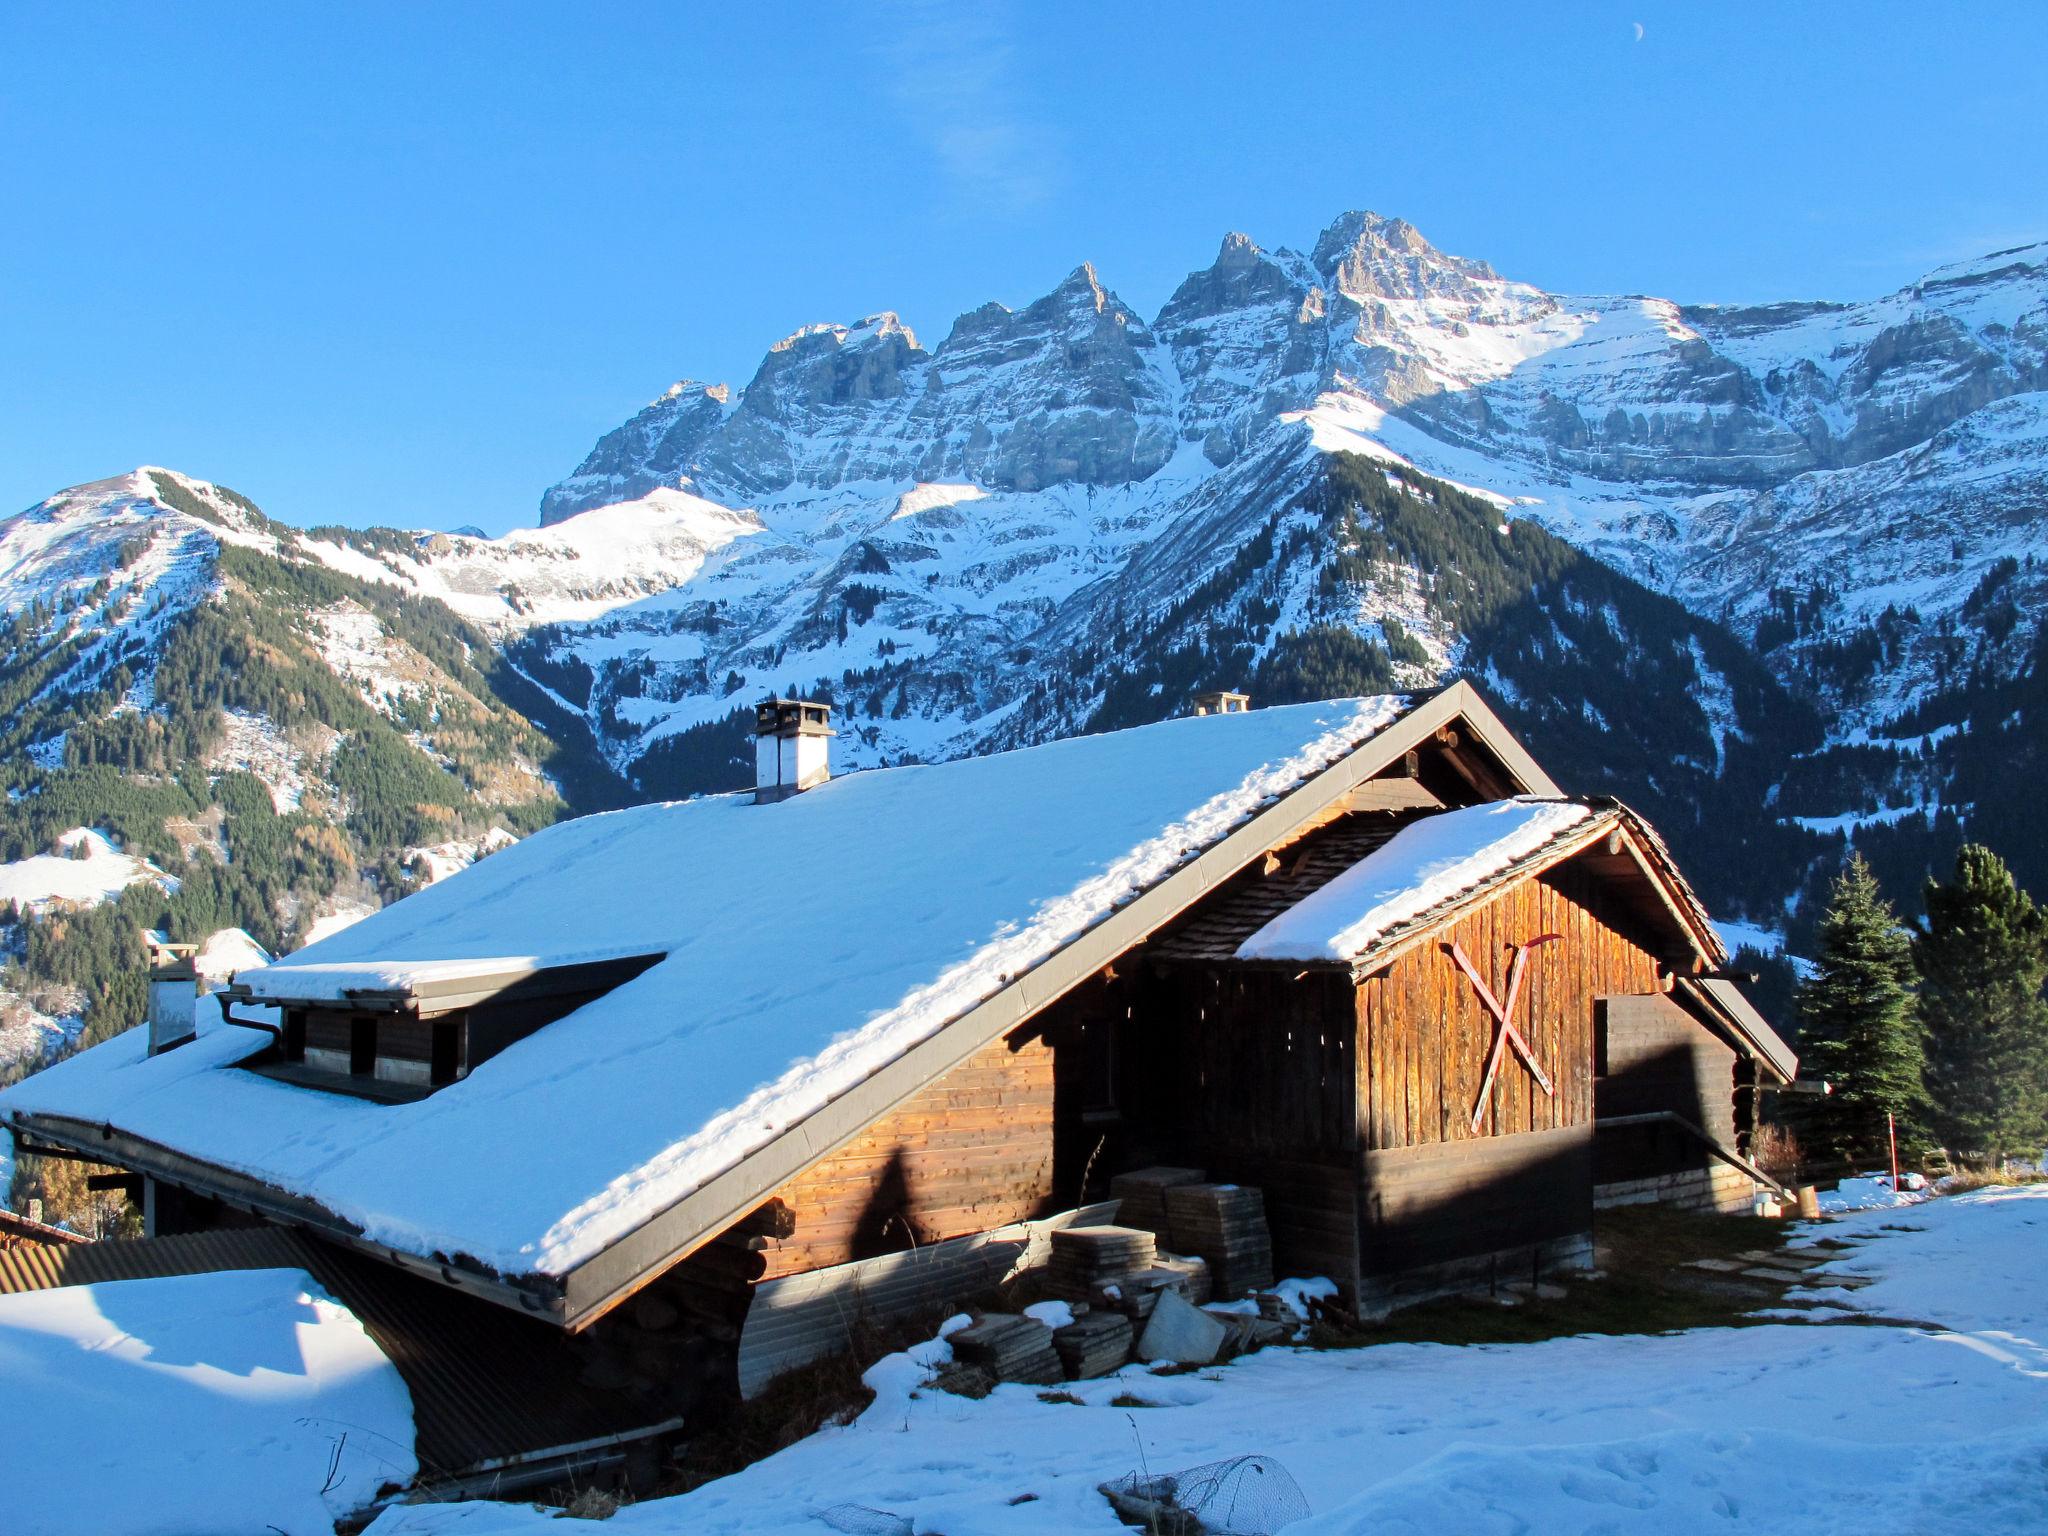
(1857, 1028)
(1982, 960)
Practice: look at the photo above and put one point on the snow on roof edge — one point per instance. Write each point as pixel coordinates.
(1428, 865)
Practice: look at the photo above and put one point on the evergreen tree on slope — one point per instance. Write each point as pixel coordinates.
(1982, 960)
(1857, 1027)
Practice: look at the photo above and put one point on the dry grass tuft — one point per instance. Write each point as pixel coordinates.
(592, 1504)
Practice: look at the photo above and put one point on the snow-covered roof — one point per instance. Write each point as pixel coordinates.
(1424, 867)
(810, 946)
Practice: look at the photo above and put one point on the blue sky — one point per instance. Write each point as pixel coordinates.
(405, 263)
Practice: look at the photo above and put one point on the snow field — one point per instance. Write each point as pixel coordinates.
(223, 1403)
(1780, 1429)
(46, 880)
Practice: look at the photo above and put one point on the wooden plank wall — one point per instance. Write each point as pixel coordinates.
(1659, 1057)
(1262, 1075)
(971, 1152)
(1436, 1194)
(1425, 1034)
(1433, 1205)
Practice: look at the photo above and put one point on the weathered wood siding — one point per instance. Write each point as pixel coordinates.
(1425, 1034)
(1260, 1079)
(972, 1152)
(1659, 1057)
(1435, 1205)
(1435, 1191)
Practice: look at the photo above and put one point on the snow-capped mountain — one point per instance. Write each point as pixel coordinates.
(1836, 461)
(1718, 559)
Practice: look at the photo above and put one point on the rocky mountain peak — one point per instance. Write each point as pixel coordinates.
(1365, 256)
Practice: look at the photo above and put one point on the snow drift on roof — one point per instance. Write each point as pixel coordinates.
(809, 943)
(1422, 867)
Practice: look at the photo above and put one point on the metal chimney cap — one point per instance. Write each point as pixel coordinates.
(778, 716)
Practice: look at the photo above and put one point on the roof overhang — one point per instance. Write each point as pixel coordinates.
(1724, 1001)
(587, 1292)
(442, 986)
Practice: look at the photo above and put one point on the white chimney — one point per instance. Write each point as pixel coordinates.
(1222, 702)
(173, 990)
(792, 747)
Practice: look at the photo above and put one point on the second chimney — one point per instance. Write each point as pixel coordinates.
(792, 747)
(173, 992)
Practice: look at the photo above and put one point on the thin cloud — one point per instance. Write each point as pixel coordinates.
(956, 79)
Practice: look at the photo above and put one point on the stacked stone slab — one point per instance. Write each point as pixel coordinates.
(1088, 1260)
(1094, 1344)
(1009, 1348)
(1141, 1195)
(1225, 1224)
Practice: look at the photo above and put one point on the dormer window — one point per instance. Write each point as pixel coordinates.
(397, 1032)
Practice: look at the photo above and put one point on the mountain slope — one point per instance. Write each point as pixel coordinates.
(193, 698)
(1774, 574)
(1855, 491)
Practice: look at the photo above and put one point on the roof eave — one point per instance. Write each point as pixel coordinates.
(537, 1296)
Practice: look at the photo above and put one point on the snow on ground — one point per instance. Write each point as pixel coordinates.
(438, 862)
(1739, 935)
(571, 572)
(227, 951)
(26, 1031)
(90, 870)
(1872, 1191)
(222, 1403)
(1973, 1263)
(354, 644)
(345, 915)
(253, 744)
(1791, 1430)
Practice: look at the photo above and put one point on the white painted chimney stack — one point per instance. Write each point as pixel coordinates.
(173, 992)
(792, 747)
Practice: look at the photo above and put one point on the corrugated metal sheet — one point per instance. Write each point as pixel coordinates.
(488, 1386)
(806, 1317)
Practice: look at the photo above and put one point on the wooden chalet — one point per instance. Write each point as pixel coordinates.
(680, 1083)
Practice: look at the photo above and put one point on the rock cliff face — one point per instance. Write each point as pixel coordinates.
(1727, 456)
(1791, 556)
(1855, 490)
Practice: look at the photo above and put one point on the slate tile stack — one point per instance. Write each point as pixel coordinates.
(1226, 1225)
(1009, 1348)
(1086, 1259)
(1141, 1195)
(1094, 1344)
